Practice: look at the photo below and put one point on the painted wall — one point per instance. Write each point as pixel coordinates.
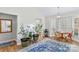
(13, 34)
(29, 14)
(25, 15)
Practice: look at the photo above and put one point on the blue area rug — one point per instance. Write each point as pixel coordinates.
(49, 46)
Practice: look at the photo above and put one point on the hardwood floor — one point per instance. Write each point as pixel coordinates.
(74, 42)
(8, 46)
(8, 49)
(15, 48)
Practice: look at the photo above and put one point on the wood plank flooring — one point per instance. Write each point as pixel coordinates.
(15, 48)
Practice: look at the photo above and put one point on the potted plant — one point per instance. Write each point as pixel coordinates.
(38, 28)
(25, 36)
(46, 33)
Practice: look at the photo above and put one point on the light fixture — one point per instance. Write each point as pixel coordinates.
(58, 12)
(38, 20)
(58, 16)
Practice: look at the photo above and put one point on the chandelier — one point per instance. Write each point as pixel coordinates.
(58, 12)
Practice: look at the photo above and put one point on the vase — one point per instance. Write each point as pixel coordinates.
(35, 37)
(25, 42)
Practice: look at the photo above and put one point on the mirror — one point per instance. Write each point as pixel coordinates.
(5, 25)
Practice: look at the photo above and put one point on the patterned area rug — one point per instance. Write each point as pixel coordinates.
(47, 46)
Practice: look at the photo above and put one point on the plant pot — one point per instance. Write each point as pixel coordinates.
(35, 37)
(46, 33)
(25, 41)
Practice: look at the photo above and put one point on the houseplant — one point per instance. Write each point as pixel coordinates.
(38, 29)
(25, 36)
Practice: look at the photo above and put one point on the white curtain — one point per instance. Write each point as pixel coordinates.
(63, 24)
(50, 24)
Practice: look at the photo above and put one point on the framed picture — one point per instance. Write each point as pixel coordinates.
(5, 25)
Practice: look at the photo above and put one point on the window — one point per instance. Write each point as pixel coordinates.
(5, 25)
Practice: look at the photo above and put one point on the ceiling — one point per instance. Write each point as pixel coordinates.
(57, 10)
(42, 11)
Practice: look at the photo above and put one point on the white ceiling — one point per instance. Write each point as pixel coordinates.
(43, 11)
(57, 10)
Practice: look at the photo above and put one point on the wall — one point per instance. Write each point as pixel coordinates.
(13, 34)
(25, 15)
